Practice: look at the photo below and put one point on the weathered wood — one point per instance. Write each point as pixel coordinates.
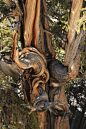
(74, 16)
(75, 41)
(10, 69)
(61, 122)
(34, 64)
(34, 22)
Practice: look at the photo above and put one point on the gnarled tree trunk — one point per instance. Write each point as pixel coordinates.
(45, 77)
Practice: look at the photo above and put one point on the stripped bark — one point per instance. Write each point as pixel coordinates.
(37, 53)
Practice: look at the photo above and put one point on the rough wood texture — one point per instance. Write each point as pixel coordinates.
(10, 69)
(33, 27)
(38, 52)
(31, 22)
(75, 41)
(61, 122)
(74, 16)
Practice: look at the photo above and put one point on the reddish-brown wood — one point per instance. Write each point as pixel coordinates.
(15, 53)
(33, 27)
(35, 36)
(31, 19)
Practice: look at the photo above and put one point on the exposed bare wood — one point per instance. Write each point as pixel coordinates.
(39, 67)
(75, 15)
(33, 27)
(36, 23)
(29, 21)
(75, 41)
(15, 52)
(64, 123)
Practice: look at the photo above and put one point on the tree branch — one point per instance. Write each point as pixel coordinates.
(64, 37)
(10, 69)
(10, 3)
(11, 14)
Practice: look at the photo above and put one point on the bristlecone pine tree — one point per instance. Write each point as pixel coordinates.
(44, 76)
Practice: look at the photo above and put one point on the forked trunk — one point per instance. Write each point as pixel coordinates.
(45, 77)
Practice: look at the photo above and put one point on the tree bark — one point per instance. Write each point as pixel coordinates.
(44, 76)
